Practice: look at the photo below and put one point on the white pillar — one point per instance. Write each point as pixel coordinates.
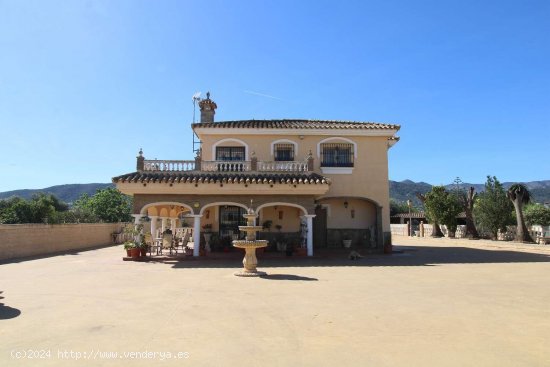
(154, 227)
(196, 234)
(137, 217)
(309, 238)
(163, 224)
(173, 225)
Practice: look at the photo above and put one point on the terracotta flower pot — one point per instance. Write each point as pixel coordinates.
(128, 252)
(143, 251)
(135, 252)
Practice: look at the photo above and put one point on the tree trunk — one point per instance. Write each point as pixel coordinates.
(471, 230)
(437, 231)
(522, 234)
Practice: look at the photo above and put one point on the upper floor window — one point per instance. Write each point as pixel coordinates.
(230, 153)
(337, 155)
(284, 152)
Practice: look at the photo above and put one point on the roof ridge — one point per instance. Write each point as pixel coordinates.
(299, 123)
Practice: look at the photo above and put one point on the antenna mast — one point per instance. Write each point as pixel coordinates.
(196, 141)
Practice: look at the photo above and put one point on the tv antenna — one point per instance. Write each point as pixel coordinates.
(196, 98)
(196, 141)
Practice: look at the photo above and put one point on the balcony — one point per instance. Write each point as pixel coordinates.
(253, 165)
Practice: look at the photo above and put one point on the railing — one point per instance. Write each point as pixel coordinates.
(289, 166)
(168, 166)
(225, 166)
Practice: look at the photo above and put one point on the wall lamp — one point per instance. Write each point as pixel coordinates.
(345, 204)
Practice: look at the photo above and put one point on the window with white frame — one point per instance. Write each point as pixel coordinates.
(283, 152)
(337, 155)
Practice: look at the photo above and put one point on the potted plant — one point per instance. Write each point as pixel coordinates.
(134, 246)
(132, 249)
(346, 241)
(289, 249)
(128, 245)
(143, 246)
(267, 225)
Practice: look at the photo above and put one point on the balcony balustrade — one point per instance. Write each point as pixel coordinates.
(288, 166)
(168, 166)
(224, 166)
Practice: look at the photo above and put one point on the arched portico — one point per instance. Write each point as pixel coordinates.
(294, 221)
(350, 217)
(169, 214)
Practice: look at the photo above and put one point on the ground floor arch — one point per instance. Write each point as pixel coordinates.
(349, 218)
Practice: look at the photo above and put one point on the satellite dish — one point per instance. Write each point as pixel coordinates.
(196, 96)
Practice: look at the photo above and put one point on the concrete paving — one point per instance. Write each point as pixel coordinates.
(436, 303)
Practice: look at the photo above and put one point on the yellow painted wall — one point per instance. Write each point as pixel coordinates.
(21, 240)
(290, 221)
(338, 216)
(370, 174)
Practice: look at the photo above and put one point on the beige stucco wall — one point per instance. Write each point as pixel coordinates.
(291, 217)
(21, 240)
(338, 216)
(370, 173)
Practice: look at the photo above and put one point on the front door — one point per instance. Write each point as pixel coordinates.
(320, 227)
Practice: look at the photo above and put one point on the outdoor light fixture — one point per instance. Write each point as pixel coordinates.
(345, 204)
(196, 204)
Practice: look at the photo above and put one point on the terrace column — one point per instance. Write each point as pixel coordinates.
(137, 217)
(154, 227)
(196, 233)
(173, 225)
(309, 238)
(163, 224)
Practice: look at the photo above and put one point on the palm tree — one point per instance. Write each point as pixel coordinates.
(520, 195)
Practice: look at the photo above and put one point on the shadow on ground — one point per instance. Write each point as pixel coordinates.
(7, 312)
(54, 254)
(287, 277)
(402, 256)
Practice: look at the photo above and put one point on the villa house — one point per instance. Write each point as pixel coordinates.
(313, 183)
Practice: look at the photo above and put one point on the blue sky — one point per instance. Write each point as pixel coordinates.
(85, 84)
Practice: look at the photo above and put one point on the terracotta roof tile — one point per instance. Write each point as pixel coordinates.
(214, 177)
(297, 124)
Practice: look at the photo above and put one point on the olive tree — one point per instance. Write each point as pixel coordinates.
(492, 209)
(442, 207)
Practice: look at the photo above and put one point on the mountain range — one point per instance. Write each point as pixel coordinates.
(399, 190)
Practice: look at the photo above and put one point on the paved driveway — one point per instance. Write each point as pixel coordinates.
(434, 304)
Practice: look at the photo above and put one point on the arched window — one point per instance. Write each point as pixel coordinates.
(337, 155)
(284, 150)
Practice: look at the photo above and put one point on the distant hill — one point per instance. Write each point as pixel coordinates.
(67, 193)
(399, 191)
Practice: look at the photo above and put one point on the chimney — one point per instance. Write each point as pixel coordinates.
(140, 163)
(208, 109)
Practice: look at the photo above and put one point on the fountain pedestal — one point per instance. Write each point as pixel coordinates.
(250, 245)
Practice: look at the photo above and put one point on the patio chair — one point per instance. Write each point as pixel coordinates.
(151, 244)
(168, 243)
(180, 241)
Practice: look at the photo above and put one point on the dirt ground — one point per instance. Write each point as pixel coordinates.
(432, 303)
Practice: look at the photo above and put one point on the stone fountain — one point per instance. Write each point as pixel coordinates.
(250, 244)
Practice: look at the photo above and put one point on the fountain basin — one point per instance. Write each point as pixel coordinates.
(249, 244)
(251, 228)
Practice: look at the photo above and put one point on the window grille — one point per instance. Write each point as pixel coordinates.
(231, 217)
(337, 155)
(284, 152)
(230, 153)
